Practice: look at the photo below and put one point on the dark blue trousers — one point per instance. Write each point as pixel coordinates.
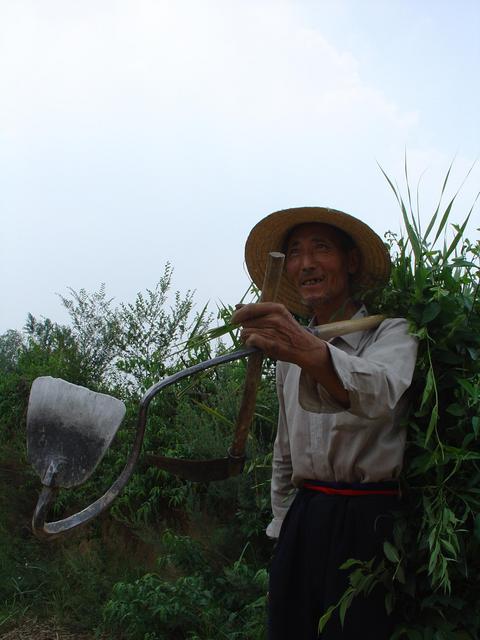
(321, 532)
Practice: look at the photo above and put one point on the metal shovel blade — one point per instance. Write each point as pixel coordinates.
(69, 429)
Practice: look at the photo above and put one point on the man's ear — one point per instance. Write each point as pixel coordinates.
(353, 262)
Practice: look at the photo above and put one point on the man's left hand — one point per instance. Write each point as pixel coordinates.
(270, 327)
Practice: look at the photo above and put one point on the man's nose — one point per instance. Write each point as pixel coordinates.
(307, 261)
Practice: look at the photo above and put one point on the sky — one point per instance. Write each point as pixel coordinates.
(139, 132)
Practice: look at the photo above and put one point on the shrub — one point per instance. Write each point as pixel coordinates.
(204, 604)
(431, 570)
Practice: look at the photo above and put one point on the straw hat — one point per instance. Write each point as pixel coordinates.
(270, 234)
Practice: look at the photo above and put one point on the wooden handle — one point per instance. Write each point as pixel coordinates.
(273, 275)
(341, 328)
(271, 282)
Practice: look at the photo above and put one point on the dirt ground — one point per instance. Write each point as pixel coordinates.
(35, 630)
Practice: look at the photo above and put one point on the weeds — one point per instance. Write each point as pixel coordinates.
(431, 571)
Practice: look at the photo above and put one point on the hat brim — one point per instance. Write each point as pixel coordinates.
(270, 235)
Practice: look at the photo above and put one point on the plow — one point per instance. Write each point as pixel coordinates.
(70, 428)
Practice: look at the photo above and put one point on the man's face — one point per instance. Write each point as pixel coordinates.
(318, 265)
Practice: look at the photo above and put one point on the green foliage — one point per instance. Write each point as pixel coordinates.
(121, 350)
(43, 348)
(66, 581)
(130, 346)
(95, 327)
(432, 568)
(363, 580)
(205, 603)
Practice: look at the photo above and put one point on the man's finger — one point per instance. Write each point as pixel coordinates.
(257, 310)
(267, 345)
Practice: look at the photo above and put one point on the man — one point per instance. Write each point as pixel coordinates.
(340, 441)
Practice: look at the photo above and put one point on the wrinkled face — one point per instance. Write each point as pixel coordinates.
(319, 265)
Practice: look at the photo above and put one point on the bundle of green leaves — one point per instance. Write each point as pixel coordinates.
(432, 568)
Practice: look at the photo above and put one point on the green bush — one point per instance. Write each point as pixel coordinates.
(432, 571)
(204, 604)
(195, 419)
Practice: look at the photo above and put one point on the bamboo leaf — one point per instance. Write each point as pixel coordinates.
(456, 453)
(456, 410)
(345, 603)
(400, 574)
(445, 216)
(351, 562)
(418, 200)
(389, 601)
(459, 235)
(432, 424)
(218, 332)
(444, 219)
(434, 217)
(412, 235)
(449, 548)
(476, 425)
(214, 413)
(392, 186)
(430, 312)
(428, 389)
(391, 552)
(325, 618)
(198, 323)
(434, 555)
(457, 238)
(416, 227)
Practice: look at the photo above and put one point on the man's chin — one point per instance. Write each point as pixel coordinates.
(314, 302)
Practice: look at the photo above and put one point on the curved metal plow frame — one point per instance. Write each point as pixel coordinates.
(44, 529)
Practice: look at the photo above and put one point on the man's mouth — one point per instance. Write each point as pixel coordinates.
(311, 282)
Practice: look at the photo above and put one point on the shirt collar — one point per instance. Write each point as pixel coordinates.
(352, 339)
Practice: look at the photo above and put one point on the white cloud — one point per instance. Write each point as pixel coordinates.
(249, 65)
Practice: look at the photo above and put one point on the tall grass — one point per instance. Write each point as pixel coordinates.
(432, 569)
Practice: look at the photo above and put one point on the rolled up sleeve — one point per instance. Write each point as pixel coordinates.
(375, 381)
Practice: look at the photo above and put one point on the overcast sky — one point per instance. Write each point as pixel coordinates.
(139, 132)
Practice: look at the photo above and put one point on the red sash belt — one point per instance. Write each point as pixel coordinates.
(355, 489)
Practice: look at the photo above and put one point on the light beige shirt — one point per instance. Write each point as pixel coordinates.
(318, 439)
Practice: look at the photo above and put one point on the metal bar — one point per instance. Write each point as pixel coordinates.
(44, 529)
